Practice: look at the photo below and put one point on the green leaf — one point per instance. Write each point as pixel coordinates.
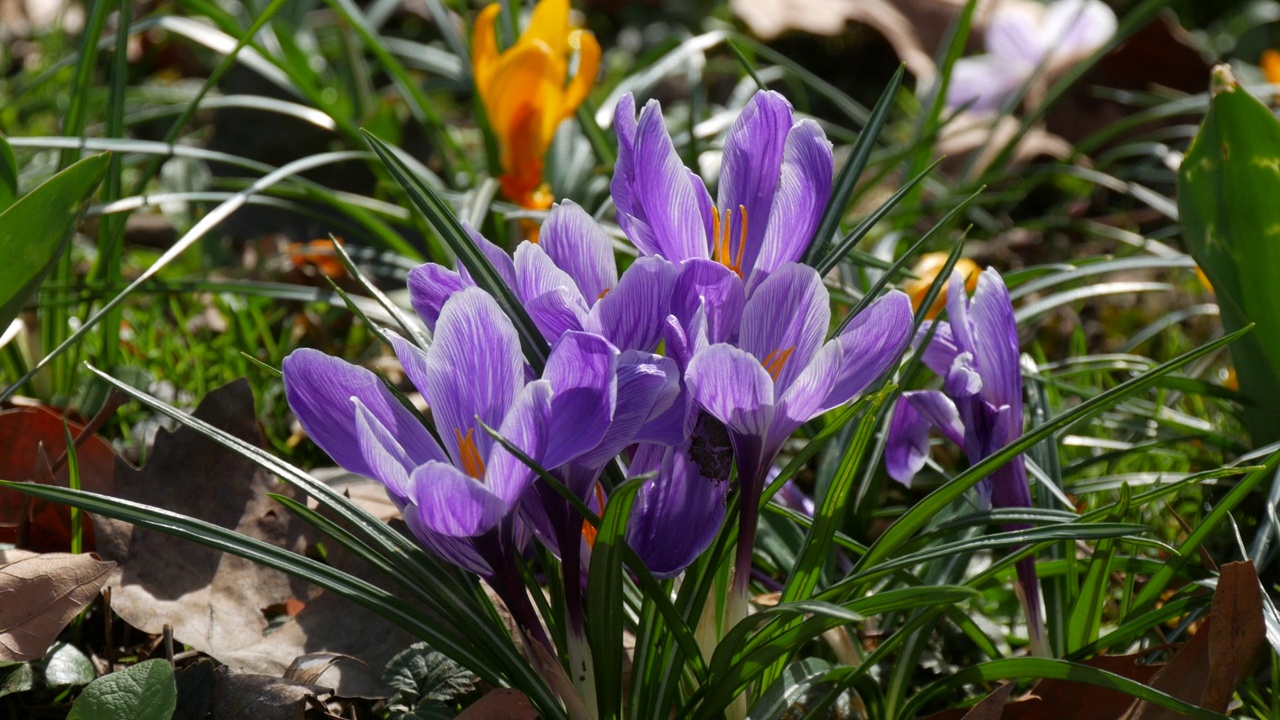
(1227, 185)
(445, 220)
(8, 176)
(1035, 668)
(16, 678)
(145, 691)
(922, 512)
(66, 665)
(423, 673)
(791, 688)
(35, 230)
(847, 180)
(604, 597)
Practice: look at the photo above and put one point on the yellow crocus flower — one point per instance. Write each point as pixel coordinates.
(527, 91)
(927, 269)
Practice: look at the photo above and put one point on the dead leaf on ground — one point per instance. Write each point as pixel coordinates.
(39, 596)
(1224, 650)
(22, 432)
(992, 706)
(500, 704)
(214, 601)
(246, 696)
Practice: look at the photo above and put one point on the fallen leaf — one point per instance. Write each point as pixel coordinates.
(992, 706)
(247, 696)
(1066, 700)
(195, 689)
(22, 432)
(215, 602)
(500, 704)
(40, 595)
(1224, 650)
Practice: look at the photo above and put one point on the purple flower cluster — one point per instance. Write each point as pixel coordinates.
(706, 354)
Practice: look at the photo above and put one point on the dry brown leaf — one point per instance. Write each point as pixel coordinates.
(1224, 650)
(1066, 700)
(246, 696)
(500, 704)
(992, 706)
(215, 602)
(22, 432)
(39, 596)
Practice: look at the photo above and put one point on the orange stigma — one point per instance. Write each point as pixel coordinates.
(588, 530)
(469, 454)
(721, 243)
(776, 360)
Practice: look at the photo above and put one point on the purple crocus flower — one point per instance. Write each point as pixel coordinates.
(568, 281)
(775, 182)
(1020, 36)
(459, 500)
(979, 407)
(781, 373)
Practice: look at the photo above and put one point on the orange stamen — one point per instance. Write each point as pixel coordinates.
(588, 530)
(469, 454)
(603, 293)
(721, 243)
(776, 360)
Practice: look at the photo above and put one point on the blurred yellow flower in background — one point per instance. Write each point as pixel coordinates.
(527, 91)
(927, 269)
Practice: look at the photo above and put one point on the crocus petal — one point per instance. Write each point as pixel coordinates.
(498, 257)
(412, 358)
(958, 315)
(806, 398)
(549, 23)
(557, 312)
(319, 389)
(387, 459)
(733, 387)
(484, 48)
(450, 503)
(1078, 27)
(941, 413)
(983, 83)
(526, 426)
(458, 551)
(941, 351)
(630, 208)
(677, 513)
(995, 337)
(429, 286)
(785, 320)
(717, 290)
(872, 343)
(962, 380)
(752, 165)
(588, 67)
(907, 445)
(582, 370)
(669, 192)
(474, 368)
(632, 316)
(647, 386)
(804, 189)
(1015, 33)
(579, 246)
(537, 273)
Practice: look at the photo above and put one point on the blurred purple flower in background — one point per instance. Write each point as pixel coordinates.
(1019, 37)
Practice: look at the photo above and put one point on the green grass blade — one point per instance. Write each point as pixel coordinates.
(919, 515)
(443, 218)
(1043, 668)
(847, 180)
